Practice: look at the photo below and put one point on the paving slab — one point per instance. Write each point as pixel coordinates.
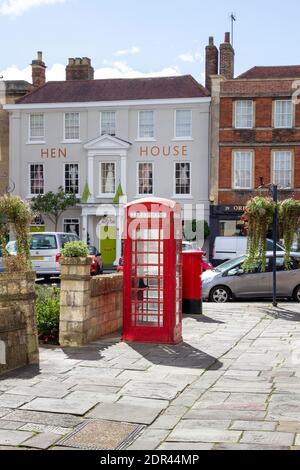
(254, 426)
(144, 402)
(51, 419)
(42, 428)
(73, 407)
(4, 412)
(42, 441)
(268, 438)
(13, 438)
(204, 435)
(185, 446)
(11, 425)
(13, 401)
(125, 413)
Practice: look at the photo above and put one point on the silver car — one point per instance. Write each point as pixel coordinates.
(229, 281)
(45, 250)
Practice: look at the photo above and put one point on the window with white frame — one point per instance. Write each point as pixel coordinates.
(282, 169)
(72, 226)
(72, 178)
(182, 179)
(243, 170)
(145, 178)
(146, 124)
(36, 179)
(108, 178)
(244, 114)
(283, 114)
(36, 127)
(72, 126)
(108, 123)
(183, 123)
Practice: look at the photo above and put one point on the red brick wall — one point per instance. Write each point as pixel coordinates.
(225, 165)
(262, 140)
(226, 112)
(263, 112)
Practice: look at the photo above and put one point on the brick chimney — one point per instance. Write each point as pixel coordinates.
(38, 71)
(227, 58)
(212, 62)
(79, 69)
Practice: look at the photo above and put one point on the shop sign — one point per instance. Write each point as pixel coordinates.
(54, 153)
(168, 151)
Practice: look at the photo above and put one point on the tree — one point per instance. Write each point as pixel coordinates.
(54, 205)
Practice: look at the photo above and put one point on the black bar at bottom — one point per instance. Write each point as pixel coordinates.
(192, 307)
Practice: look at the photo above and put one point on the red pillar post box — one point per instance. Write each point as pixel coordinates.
(192, 282)
(153, 272)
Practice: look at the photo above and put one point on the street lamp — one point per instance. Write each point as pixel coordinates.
(274, 191)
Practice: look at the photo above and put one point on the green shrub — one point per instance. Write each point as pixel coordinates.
(75, 250)
(48, 310)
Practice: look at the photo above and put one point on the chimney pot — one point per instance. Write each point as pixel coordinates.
(227, 38)
(211, 41)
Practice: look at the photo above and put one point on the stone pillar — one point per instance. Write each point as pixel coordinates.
(17, 292)
(74, 301)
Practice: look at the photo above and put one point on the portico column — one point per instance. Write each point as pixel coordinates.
(124, 173)
(84, 235)
(91, 178)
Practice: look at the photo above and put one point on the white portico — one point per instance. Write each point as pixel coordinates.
(111, 153)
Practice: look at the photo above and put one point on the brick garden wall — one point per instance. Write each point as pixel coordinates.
(90, 308)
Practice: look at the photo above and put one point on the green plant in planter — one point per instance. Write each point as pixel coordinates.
(48, 311)
(75, 250)
(16, 214)
(259, 216)
(289, 216)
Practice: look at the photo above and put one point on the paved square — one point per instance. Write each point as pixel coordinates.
(233, 384)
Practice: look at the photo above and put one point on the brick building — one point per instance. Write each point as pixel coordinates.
(255, 134)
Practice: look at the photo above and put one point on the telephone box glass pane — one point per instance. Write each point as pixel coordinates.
(147, 278)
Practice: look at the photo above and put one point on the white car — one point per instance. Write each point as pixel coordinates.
(227, 248)
(45, 250)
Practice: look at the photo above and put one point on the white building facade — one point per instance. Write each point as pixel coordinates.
(147, 137)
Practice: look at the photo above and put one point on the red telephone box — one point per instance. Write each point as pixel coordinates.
(153, 272)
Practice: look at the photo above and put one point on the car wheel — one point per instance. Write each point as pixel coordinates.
(297, 294)
(220, 295)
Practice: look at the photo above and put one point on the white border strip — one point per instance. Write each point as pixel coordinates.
(107, 104)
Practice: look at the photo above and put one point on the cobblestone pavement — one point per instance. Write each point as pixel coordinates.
(233, 384)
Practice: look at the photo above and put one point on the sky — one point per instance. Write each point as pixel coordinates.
(134, 38)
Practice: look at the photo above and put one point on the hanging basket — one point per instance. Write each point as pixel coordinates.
(289, 217)
(259, 216)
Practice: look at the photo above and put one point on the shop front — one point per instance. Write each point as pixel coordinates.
(225, 221)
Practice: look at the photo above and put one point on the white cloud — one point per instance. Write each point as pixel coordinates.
(132, 50)
(18, 7)
(190, 57)
(118, 69)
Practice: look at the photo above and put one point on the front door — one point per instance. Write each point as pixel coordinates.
(108, 244)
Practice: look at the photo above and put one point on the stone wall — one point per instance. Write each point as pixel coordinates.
(18, 327)
(90, 308)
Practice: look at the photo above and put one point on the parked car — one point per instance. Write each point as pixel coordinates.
(45, 250)
(226, 248)
(97, 264)
(229, 281)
